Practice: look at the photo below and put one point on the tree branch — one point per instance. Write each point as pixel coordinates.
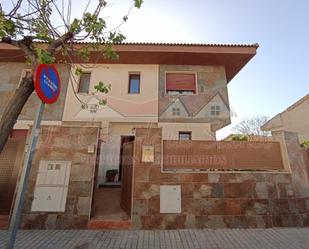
(24, 44)
(59, 42)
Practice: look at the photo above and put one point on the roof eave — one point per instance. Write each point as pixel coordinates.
(233, 57)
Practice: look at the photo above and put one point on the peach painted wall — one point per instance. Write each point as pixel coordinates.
(199, 131)
(121, 106)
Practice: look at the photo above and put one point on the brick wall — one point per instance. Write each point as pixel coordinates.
(69, 144)
(219, 200)
(230, 155)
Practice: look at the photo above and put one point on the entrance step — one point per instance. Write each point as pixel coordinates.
(110, 185)
(4, 222)
(112, 224)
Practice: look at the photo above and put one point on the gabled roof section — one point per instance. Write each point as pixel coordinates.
(176, 103)
(233, 56)
(209, 100)
(276, 122)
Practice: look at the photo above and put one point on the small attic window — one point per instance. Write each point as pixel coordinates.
(215, 110)
(176, 112)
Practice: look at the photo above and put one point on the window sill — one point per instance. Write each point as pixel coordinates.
(175, 95)
(83, 94)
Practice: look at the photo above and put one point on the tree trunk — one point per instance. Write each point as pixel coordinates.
(14, 108)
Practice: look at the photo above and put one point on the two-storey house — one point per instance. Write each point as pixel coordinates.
(181, 88)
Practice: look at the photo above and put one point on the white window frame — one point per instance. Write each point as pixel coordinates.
(79, 78)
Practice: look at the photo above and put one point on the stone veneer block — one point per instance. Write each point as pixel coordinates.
(141, 207)
(83, 205)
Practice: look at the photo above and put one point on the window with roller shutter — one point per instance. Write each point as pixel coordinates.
(180, 83)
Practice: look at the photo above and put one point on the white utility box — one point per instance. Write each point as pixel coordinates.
(51, 186)
(170, 199)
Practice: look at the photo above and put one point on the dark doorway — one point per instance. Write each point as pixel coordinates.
(127, 175)
(111, 208)
(124, 139)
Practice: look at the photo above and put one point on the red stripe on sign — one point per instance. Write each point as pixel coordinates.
(180, 81)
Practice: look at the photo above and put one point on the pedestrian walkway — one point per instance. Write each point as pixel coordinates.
(285, 238)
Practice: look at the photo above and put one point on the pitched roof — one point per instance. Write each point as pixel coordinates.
(255, 45)
(233, 56)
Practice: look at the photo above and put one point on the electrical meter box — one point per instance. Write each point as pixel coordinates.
(170, 199)
(51, 186)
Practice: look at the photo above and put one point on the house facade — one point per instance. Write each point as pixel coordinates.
(181, 88)
(295, 118)
(156, 129)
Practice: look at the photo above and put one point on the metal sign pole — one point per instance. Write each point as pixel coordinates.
(23, 183)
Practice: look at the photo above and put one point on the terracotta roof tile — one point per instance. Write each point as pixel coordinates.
(255, 45)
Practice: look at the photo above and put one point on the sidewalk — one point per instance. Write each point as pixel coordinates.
(291, 238)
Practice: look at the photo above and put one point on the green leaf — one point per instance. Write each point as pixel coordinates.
(109, 53)
(44, 57)
(138, 3)
(84, 53)
(102, 88)
(103, 102)
(7, 27)
(240, 137)
(305, 144)
(75, 26)
(78, 71)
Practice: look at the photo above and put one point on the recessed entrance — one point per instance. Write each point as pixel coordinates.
(112, 201)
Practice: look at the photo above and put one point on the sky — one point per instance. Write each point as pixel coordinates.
(273, 80)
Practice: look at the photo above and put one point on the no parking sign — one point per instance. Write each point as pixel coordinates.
(47, 86)
(47, 83)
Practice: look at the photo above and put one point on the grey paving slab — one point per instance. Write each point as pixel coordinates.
(275, 238)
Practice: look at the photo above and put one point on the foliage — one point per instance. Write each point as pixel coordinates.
(240, 137)
(251, 126)
(305, 144)
(30, 22)
(103, 88)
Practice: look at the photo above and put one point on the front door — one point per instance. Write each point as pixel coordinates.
(126, 175)
(124, 139)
